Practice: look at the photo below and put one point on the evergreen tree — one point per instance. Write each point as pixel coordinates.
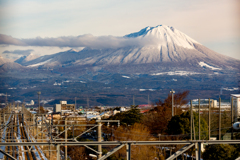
(180, 124)
(129, 117)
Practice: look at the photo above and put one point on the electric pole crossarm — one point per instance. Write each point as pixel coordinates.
(8, 155)
(111, 152)
(180, 151)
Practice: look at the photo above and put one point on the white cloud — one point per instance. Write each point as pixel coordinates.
(19, 52)
(36, 50)
(84, 41)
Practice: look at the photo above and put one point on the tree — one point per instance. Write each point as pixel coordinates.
(225, 121)
(129, 117)
(157, 119)
(180, 124)
(219, 152)
(77, 152)
(42, 110)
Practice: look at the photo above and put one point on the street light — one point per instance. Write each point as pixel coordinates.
(39, 101)
(172, 91)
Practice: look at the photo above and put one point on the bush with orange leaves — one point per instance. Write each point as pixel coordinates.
(136, 132)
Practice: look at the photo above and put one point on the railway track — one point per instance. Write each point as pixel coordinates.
(11, 134)
(15, 128)
(10, 137)
(29, 155)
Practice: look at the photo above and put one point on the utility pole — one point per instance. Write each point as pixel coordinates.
(42, 129)
(232, 116)
(6, 102)
(75, 105)
(99, 137)
(199, 124)
(87, 102)
(32, 124)
(128, 148)
(172, 91)
(209, 118)
(194, 135)
(191, 119)
(58, 152)
(50, 128)
(39, 101)
(133, 101)
(219, 135)
(65, 138)
(159, 144)
(13, 106)
(36, 121)
(196, 151)
(148, 100)
(4, 118)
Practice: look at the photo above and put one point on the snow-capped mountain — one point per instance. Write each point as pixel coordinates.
(162, 59)
(169, 47)
(7, 64)
(27, 58)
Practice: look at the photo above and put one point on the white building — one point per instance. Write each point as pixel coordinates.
(236, 106)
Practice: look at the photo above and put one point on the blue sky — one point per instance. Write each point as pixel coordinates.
(213, 23)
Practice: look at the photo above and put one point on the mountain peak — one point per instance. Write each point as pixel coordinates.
(165, 36)
(27, 58)
(145, 30)
(73, 50)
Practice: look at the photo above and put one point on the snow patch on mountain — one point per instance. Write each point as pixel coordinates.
(3, 94)
(39, 64)
(125, 77)
(230, 89)
(67, 81)
(57, 84)
(142, 90)
(12, 88)
(179, 73)
(203, 64)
